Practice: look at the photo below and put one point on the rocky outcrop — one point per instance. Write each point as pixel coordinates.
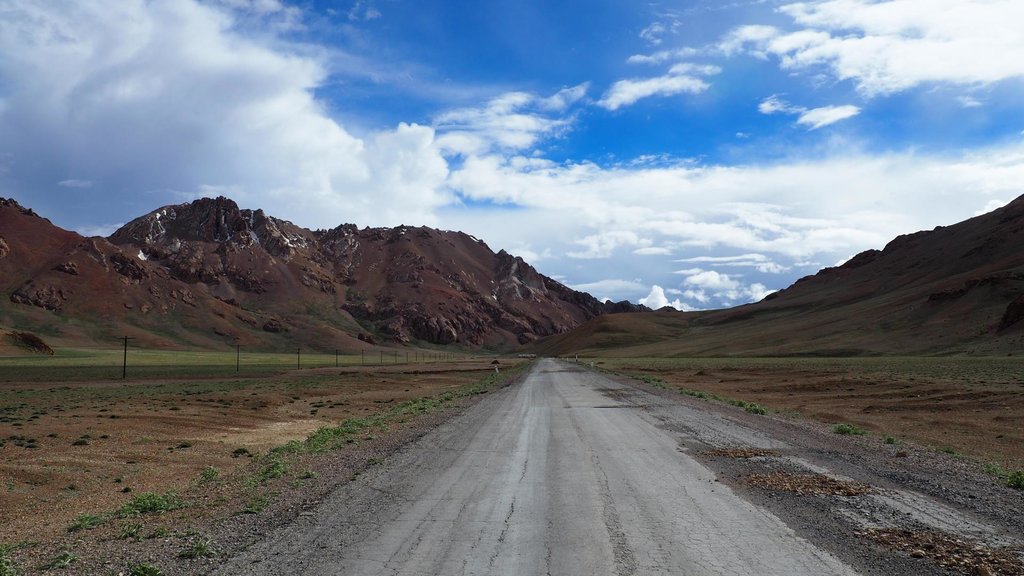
(47, 297)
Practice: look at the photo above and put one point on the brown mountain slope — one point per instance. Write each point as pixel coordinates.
(208, 272)
(955, 289)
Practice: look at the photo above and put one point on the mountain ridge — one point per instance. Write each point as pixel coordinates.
(956, 289)
(207, 270)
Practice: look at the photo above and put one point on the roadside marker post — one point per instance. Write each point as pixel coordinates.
(124, 361)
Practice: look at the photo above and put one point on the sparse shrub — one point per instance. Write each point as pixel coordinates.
(240, 452)
(150, 502)
(275, 467)
(143, 569)
(80, 442)
(849, 430)
(307, 474)
(256, 505)
(60, 561)
(947, 450)
(7, 566)
(1015, 480)
(200, 548)
(889, 439)
(85, 522)
(130, 529)
(755, 408)
(209, 474)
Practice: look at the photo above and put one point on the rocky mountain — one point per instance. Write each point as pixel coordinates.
(208, 272)
(953, 290)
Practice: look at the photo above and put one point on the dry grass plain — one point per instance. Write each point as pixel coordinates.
(972, 406)
(79, 447)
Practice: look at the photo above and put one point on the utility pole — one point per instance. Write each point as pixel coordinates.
(298, 358)
(238, 353)
(335, 357)
(362, 357)
(124, 361)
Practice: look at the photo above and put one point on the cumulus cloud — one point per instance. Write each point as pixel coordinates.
(885, 47)
(682, 78)
(510, 122)
(813, 118)
(176, 96)
(615, 286)
(727, 289)
(657, 299)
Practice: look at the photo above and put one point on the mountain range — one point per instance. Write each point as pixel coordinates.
(208, 273)
(956, 289)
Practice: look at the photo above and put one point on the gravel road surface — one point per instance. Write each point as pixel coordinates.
(572, 472)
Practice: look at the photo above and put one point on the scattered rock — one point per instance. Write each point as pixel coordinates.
(273, 326)
(4, 248)
(960, 555)
(46, 297)
(817, 484)
(741, 452)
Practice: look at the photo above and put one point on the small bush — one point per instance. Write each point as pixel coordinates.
(60, 561)
(85, 522)
(200, 548)
(130, 529)
(849, 430)
(889, 439)
(143, 569)
(238, 452)
(1015, 480)
(754, 408)
(150, 502)
(209, 474)
(80, 442)
(7, 566)
(256, 505)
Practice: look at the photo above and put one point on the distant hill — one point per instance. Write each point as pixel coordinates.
(208, 273)
(952, 290)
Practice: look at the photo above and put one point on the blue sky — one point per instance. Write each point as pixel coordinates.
(696, 154)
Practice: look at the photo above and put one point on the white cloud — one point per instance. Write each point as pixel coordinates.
(72, 183)
(510, 122)
(663, 56)
(990, 206)
(604, 244)
(813, 118)
(653, 251)
(656, 299)
(890, 46)
(724, 288)
(610, 285)
(969, 102)
(652, 34)
(759, 262)
(682, 78)
(182, 95)
(819, 117)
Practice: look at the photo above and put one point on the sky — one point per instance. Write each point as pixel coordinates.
(696, 154)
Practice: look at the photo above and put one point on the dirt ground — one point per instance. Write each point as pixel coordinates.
(975, 411)
(86, 447)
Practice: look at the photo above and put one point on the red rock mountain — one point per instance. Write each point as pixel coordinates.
(208, 272)
(953, 290)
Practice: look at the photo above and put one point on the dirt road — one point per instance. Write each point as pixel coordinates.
(572, 472)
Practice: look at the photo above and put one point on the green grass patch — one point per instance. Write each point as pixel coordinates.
(150, 503)
(7, 566)
(61, 561)
(256, 505)
(209, 474)
(199, 548)
(86, 522)
(1015, 480)
(143, 569)
(849, 430)
(755, 408)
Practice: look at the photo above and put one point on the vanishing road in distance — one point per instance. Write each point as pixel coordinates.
(567, 472)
